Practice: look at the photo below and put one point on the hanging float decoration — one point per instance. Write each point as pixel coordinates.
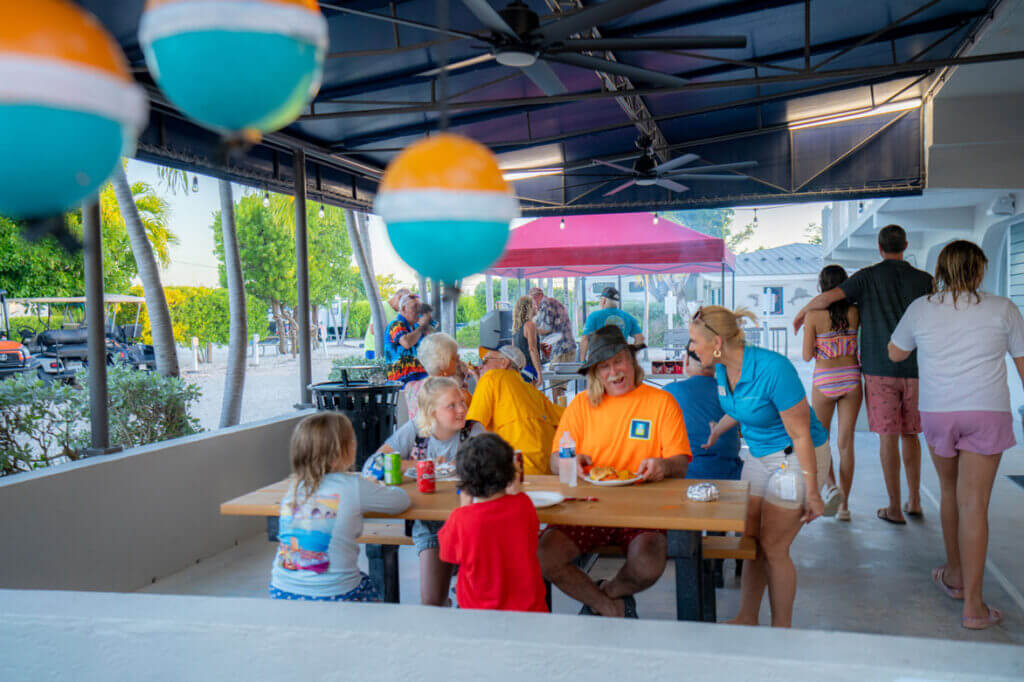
(447, 207)
(68, 109)
(240, 67)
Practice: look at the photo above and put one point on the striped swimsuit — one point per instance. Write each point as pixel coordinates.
(835, 382)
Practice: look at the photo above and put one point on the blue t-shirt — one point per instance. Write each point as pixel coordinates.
(768, 385)
(617, 316)
(697, 399)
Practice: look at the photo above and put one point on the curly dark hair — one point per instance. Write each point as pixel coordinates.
(830, 277)
(485, 465)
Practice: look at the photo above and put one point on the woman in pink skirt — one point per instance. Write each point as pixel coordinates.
(962, 336)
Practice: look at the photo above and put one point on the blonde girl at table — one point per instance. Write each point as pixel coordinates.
(761, 390)
(322, 515)
(437, 431)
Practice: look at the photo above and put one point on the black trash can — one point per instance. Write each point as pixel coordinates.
(371, 409)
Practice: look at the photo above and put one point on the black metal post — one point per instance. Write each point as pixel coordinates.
(302, 275)
(99, 423)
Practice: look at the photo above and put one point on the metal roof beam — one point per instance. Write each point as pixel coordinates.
(699, 16)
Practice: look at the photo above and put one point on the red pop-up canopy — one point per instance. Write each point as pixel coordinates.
(609, 244)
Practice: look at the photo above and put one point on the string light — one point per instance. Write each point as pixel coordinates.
(321, 212)
(655, 218)
(755, 217)
(561, 225)
(266, 199)
(195, 184)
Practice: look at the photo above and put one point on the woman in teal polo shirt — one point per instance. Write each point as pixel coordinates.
(761, 390)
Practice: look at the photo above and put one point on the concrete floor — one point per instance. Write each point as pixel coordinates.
(866, 576)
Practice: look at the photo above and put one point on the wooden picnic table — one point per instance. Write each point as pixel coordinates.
(662, 506)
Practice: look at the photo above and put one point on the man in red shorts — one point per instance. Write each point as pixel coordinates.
(619, 422)
(883, 292)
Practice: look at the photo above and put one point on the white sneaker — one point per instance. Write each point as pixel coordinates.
(832, 497)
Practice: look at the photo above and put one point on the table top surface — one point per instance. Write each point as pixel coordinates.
(661, 505)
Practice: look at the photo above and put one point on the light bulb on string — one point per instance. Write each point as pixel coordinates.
(655, 218)
(561, 225)
(195, 184)
(266, 199)
(755, 217)
(321, 212)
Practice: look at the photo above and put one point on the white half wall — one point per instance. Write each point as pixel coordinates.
(118, 522)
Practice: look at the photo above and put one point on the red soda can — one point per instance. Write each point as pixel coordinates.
(425, 482)
(518, 455)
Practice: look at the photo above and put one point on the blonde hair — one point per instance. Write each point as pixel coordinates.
(595, 389)
(436, 352)
(427, 398)
(959, 270)
(521, 312)
(725, 323)
(318, 443)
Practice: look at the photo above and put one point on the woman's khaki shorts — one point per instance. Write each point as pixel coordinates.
(757, 471)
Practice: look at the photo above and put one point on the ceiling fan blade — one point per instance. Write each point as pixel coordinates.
(680, 43)
(708, 176)
(632, 72)
(545, 78)
(675, 163)
(489, 17)
(455, 66)
(716, 167)
(621, 187)
(615, 166)
(671, 184)
(588, 18)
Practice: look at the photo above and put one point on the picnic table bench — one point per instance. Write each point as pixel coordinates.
(658, 506)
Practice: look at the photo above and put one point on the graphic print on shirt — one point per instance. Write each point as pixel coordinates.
(305, 533)
(640, 429)
(615, 320)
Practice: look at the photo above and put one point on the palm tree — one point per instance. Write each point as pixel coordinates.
(234, 380)
(142, 248)
(369, 283)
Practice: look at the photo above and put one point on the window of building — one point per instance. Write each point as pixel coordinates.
(636, 286)
(1015, 286)
(772, 300)
(598, 287)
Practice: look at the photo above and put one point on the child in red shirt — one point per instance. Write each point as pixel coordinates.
(493, 535)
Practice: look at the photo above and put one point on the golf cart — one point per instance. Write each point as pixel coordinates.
(69, 342)
(16, 358)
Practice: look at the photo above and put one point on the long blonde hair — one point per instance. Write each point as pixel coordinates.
(595, 389)
(719, 321)
(959, 270)
(427, 398)
(318, 443)
(521, 313)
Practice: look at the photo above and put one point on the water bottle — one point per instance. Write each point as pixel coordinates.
(567, 460)
(785, 487)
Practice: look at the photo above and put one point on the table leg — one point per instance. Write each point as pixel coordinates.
(684, 547)
(383, 560)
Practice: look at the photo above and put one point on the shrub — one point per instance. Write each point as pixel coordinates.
(469, 309)
(202, 312)
(469, 336)
(343, 363)
(358, 318)
(46, 423)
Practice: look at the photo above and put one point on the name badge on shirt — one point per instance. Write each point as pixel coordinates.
(721, 391)
(640, 429)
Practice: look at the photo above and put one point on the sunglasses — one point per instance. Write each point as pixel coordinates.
(699, 317)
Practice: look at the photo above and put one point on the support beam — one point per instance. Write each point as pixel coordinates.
(302, 276)
(99, 422)
(489, 292)
(504, 290)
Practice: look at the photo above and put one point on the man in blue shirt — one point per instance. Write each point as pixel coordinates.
(610, 313)
(698, 399)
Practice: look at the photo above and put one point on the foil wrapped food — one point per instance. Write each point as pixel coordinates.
(703, 492)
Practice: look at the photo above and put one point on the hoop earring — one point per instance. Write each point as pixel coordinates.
(717, 353)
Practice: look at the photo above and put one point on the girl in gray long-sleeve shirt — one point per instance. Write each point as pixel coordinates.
(322, 515)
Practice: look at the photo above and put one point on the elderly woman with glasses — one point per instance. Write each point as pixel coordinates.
(439, 355)
(761, 390)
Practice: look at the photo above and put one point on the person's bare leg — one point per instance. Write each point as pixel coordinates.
(974, 490)
(824, 408)
(435, 578)
(645, 562)
(779, 527)
(947, 469)
(889, 452)
(556, 553)
(754, 579)
(911, 446)
(849, 407)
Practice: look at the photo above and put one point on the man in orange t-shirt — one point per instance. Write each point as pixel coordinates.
(622, 423)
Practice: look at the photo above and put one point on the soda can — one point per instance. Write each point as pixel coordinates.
(425, 481)
(393, 468)
(518, 455)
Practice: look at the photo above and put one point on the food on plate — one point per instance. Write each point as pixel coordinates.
(609, 474)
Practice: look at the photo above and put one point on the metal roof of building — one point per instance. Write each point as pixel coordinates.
(791, 259)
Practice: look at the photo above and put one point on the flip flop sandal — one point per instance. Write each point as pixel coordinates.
(939, 578)
(843, 515)
(994, 617)
(630, 604)
(883, 514)
(916, 514)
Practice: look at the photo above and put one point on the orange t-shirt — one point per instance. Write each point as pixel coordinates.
(623, 431)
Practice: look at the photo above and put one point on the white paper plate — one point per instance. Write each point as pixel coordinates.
(614, 483)
(544, 498)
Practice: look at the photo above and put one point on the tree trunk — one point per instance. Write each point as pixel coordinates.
(234, 380)
(369, 284)
(362, 225)
(149, 273)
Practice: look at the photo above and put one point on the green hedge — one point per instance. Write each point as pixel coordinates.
(358, 318)
(469, 336)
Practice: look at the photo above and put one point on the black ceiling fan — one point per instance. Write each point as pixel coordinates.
(647, 171)
(519, 40)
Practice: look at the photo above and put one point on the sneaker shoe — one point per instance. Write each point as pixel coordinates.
(832, 497)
